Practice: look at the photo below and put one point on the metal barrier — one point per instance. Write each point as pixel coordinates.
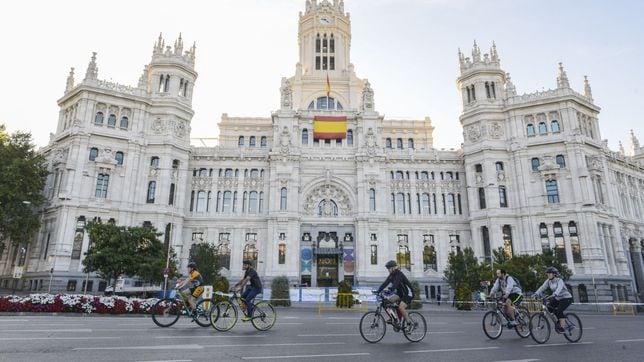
(363, 304)
(621, 307)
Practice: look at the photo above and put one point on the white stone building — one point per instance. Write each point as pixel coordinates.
(532, 173)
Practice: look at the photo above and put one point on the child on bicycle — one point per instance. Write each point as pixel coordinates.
(560, 298)
(192, 287)
(255, 287)
(512, 294)
(404, 293)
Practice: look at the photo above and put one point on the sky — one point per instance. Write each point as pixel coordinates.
(406, 48)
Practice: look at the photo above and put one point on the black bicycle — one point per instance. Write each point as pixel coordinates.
(167, 311)
(224, 314)
(495, 320)
(373, 326)
(540, 327)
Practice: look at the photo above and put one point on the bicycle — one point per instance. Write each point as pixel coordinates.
(167, 311)
(540, 327)
(494, 320)
(373, 326)
(224, 314)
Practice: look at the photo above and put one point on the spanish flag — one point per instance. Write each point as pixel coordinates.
(329, 127)
(328, 85)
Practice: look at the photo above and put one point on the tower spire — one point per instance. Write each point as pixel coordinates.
(493, 53)
(635, 143)
(562, 79)
(621, 149)
(476, 53)
(92, 69)
(70, 80)
(510, 90)
(587, 91)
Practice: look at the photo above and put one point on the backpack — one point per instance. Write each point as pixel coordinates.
(516, 281)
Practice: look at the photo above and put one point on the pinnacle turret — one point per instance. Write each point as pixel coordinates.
(92, 69)
(314, 5)
(562, 78)
(70, 80)
(635, 144)
(489, 60)
(587, 91)
(621, 149)
(176, 52)
(510, 89)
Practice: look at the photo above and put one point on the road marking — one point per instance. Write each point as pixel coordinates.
(80, 330)
(290, 323)
(340, 323)
(452, 350)
(48, 338)
(309, 356)
(629, 340)
(471, 322)
(445, 332)
(169, 360)
(173, 346)
(520, 360)
(329, 335)
(209, 336)
(274, 344)
(14, 320)
(556, 344)
(345, 318)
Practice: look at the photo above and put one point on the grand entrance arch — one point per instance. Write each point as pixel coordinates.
(327, 257)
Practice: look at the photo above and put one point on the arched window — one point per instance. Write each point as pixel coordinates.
(388, 143)
(327, 208)
(561, 161)
(124, 123)
(254, 172)
(535, 164)
(372, 199)
(251, 142)
(325, 103)
(208, 201)
(93, 153)
(228, 172)
(543, 129)
(223, 252)
(574, 242)
(424, 204)
(530, 130)
(118, 156)
(554, 126)
(240, 141)
(403, 256)
(499, 166)
(451, 204)
(410, 143)
(154, 161)
(152, 187)
(399, 143)
(171, 195)
(560, 243)
(250, 253)
(350, 137)
(203, 172)
(201, 201)
(98, 120)
(227, 205)
(305, 136)
(262, 142)
(253, 202)
(400, 204)
(283, 199)
(429, 258)
(111, 121)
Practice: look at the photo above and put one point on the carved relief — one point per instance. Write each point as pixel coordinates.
(285, 141)
(106, 156)
(179, 128)
(473, 133)
(495, 130)
(158, 126)
(327, 193)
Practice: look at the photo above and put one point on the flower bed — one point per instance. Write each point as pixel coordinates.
(75, 303)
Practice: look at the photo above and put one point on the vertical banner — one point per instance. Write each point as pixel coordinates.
(306, 257)
(348, 260)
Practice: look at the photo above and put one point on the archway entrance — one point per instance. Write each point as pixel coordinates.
(327, 253)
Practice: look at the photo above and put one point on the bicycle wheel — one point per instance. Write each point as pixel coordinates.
(264, 316)
(575, 330)
(202, 310)
(372, 327)
(420, 328)
(166, 312)
(523, 318)
(492, 325)
(223, 316)
(539, 328)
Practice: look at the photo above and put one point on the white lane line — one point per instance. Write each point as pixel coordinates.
(556, 344)
(291, 323)
(309, 356)
(179, 337)
(520, 360)
(445, 332)
(48, 338)
(169, 360)
(43, 324)
(329, 335)
(340, 323)
(80, 330)
(164, 346)
(628, 340)
(345, 318)
(470, 322)
(274, 344)
(14, 320)
(452, 350)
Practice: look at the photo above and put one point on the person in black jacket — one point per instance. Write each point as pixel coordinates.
(404, 293)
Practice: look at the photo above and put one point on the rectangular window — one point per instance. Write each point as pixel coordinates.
(552, 191)
(372, 199)
(507, 241)
(487, 250)
(560, 243)
(374, 254)
(71, 285)
(282, 254)
(198, 236)
(503, 200)
(102, 183)
(482, 198)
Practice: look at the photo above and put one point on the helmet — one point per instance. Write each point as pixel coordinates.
(390, 264)
(248, 262)
(552, 269)
(192, 265)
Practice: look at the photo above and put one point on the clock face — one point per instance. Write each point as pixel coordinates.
(325, 20)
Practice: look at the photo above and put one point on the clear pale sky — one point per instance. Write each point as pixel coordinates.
(406, 48)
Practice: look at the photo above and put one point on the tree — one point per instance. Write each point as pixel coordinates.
(117, 250)
(463, 274)
(530, 269)
(207, 259)
(22, 180)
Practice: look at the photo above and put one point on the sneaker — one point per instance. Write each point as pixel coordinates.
(570, 327)
(411, 327)
(558, 328)
(245, 318)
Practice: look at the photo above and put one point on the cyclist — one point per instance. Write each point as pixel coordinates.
(403, 291)
(192, 287)
(253, 289)
(560, 299)
(512, 294)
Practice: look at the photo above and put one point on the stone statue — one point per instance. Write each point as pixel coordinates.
(287, 94)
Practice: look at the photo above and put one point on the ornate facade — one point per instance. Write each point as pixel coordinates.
(532, 173)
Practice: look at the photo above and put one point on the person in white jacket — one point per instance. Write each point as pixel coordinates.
(560, 298)
(512, 294)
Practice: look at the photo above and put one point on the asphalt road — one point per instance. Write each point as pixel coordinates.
(301, 335)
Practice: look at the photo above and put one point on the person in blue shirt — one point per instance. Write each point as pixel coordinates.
(253, 289)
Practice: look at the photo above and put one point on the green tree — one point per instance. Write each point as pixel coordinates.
(530, 269)
(22, 179)
(207, 259)
(117, 250)
(463, 274)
